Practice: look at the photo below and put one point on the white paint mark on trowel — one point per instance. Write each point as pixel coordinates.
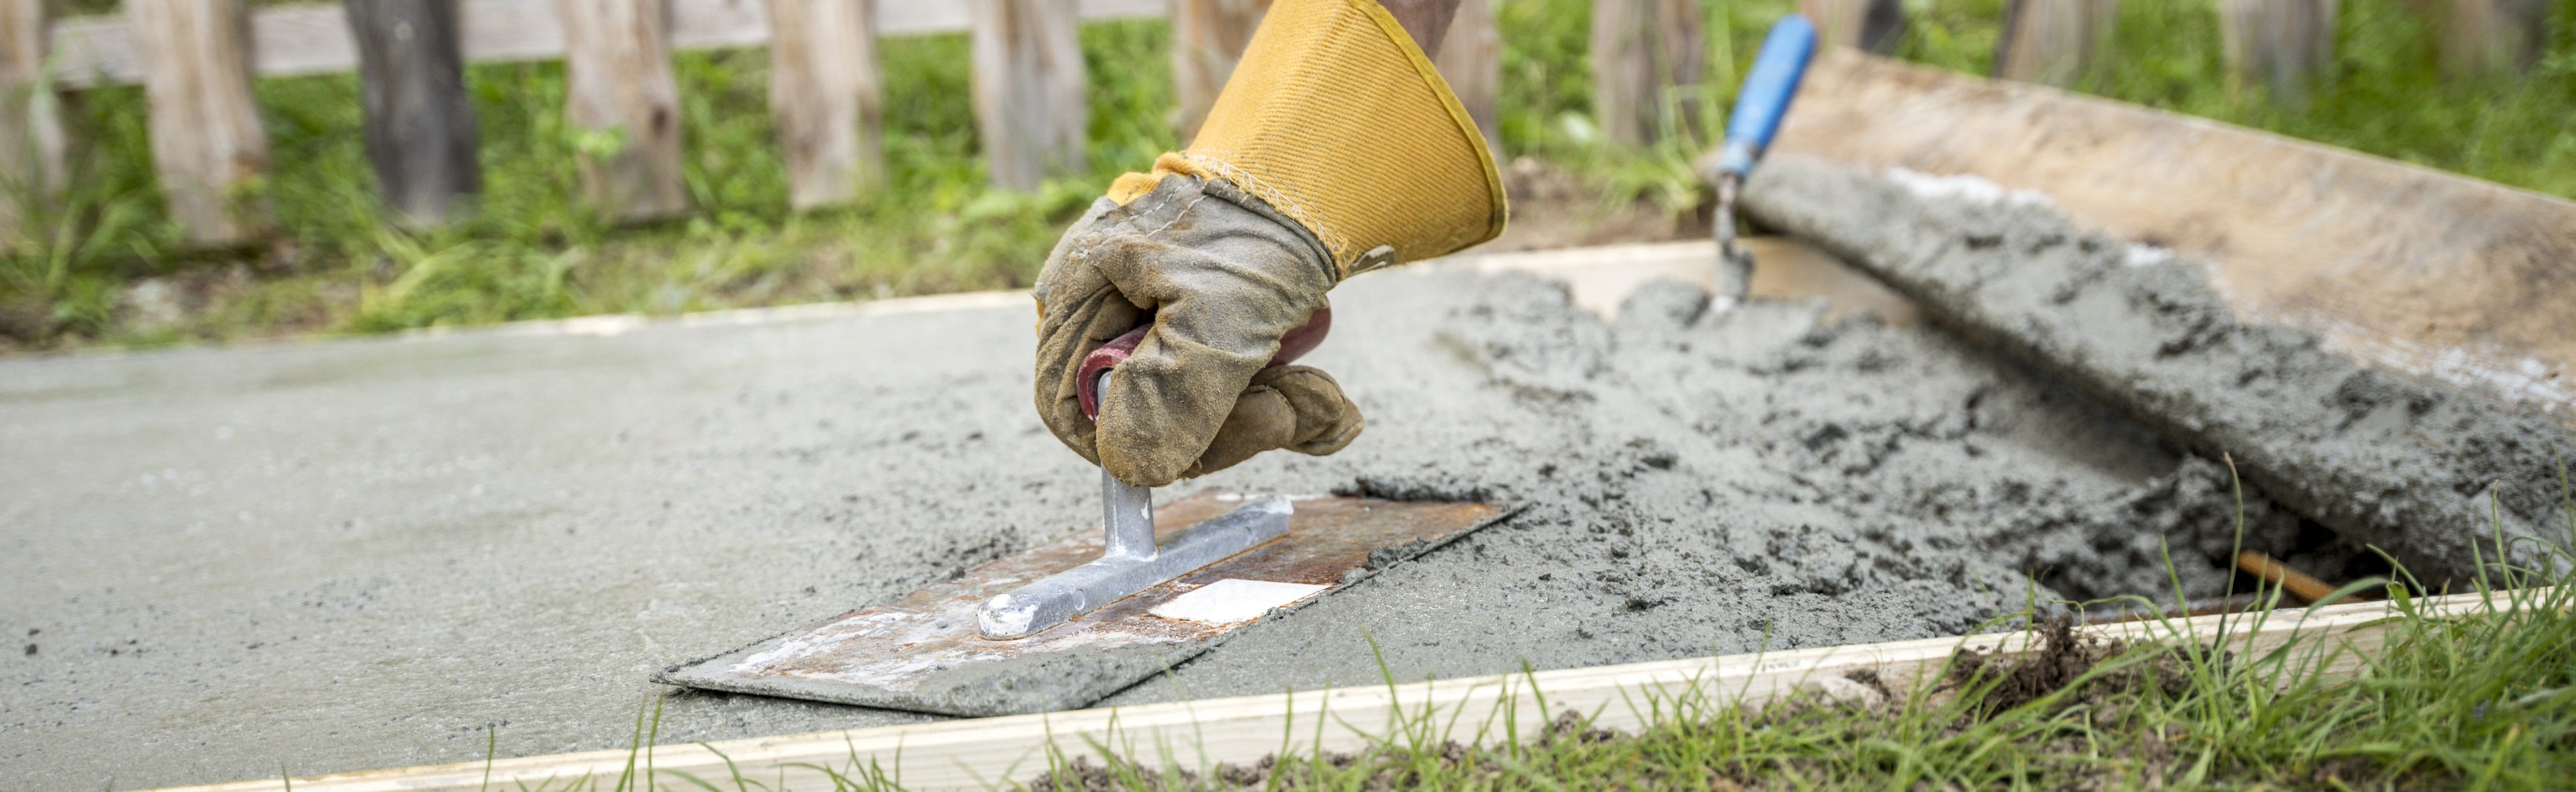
(1234, 599)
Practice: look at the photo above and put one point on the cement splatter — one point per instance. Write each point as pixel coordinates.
(2434, 474)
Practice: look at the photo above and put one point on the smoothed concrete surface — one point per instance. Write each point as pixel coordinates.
(346, 555)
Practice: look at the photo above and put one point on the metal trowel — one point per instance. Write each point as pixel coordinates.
(1759, 106)
(1062, 625)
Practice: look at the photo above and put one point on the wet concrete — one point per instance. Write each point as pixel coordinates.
(2438, 476)
(348, 555)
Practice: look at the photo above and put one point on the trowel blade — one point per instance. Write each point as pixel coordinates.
(922, 653)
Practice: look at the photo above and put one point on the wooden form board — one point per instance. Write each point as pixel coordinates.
(984, 753)
(2407, 267)
(314, 38)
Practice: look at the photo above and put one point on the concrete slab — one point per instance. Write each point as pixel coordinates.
(216, 564)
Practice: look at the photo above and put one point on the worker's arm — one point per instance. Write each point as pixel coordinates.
(1299, 179)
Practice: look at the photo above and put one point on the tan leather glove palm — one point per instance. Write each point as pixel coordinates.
(1335, 148)
(1224, 278)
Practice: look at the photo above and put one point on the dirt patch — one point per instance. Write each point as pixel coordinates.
(2063, 660)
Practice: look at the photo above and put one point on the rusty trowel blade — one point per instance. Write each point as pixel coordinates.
(922, 653)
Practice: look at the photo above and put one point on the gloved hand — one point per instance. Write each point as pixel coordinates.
(1334, 149)
(1226, 277)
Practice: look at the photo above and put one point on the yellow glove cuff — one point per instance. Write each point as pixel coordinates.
(1338, 121)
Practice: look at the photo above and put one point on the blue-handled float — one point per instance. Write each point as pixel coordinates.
(1759, 106)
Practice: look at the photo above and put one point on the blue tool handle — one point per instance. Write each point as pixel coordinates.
(1768, 87)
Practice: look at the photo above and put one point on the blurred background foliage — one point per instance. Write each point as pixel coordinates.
(108, 268)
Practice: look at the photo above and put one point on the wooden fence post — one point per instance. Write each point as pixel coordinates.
(1471, 59)
(1208, 36)
(2053, 42)
(1871, 25)
(1647, 57)
(619, 89)
(825, 90)
(420, 123)
(31, 124)
(2493, 37)
(2285, 45)
(1029, 102)
(207, 142)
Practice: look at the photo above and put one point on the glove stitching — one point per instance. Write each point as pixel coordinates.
(1269, 191)
(1184, 211)
(1157, 200)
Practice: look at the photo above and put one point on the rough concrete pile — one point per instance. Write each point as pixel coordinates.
(2434, 475)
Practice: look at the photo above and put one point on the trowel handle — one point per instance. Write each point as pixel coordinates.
(1095, 367)
(1764, 99)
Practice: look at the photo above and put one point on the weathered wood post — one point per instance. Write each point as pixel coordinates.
(420, 123)
(1029, 102)
(2493, 37)
(1471, 59)
(825, 89)
(1871, 25)
(619, 89)
(207, 142)
(2284, 45)
(2054, 41)
(1208, 36)
(1646, 56)
(31, 124)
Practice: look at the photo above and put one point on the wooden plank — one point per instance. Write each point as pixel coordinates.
(983, 753)
(1030, 106)
(1871, 25)
(620, 91)
(207, 143)
(2487, 38)
(1471, 59)
(1648, 56)
(313, 38)
(825, 89)
(2415, 269)
(1208, 36)
(2283, 45)
(31, 122)
(2053, 42)
(420, 121)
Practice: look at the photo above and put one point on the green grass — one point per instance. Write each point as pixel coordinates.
(534, 251)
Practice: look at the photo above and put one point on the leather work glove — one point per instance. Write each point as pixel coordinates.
(1334, 149)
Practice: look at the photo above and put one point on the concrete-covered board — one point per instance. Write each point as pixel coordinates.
(2398, 265)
